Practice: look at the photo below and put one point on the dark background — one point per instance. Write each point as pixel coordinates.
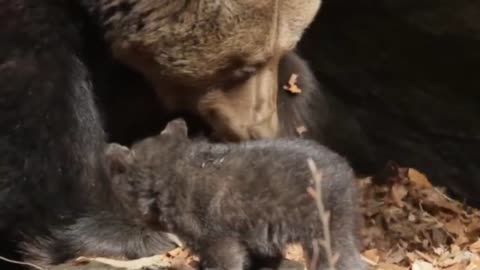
(408, 73)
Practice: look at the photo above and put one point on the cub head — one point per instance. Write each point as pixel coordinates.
(149, 153)
(134, 173)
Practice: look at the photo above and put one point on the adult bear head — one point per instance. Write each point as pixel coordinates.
(216, 58)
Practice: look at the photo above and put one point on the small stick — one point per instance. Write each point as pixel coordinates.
(21, 263)
(324, 215)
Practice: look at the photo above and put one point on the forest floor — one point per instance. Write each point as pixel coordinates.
(409, 225)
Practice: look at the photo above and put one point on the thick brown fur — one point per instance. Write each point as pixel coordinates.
(218, 59)
(227, 201)
(195, 42)
(55, 201)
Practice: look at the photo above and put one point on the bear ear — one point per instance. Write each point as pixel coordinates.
(177, 127)
(117, 159)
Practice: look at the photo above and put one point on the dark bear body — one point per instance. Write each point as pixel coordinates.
(325, 119)
(54, 61)
(226, 201)
(54, 202)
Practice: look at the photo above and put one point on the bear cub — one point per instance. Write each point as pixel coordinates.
(231, 201)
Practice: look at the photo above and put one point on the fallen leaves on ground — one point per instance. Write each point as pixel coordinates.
(412, 225)
(179, 258)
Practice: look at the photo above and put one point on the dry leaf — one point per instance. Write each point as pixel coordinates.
(158, 260)
(432, 197)
(398, 193)
(455, 267)
(418, 178)
(301, 129)
(456, 227)
(422, 265)
(475, 247)
(292, 85)
(388, 266)
(294, 252)
(474, 265)
(372, 256)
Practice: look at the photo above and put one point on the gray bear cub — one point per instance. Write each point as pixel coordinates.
(230, 201)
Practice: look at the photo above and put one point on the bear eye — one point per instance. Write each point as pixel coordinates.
(244, 73)
(239, 74)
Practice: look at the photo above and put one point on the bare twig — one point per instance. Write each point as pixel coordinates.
(21, 263)
(324, 218)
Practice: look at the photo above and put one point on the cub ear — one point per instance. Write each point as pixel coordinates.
(176, 127)
(117, 158)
